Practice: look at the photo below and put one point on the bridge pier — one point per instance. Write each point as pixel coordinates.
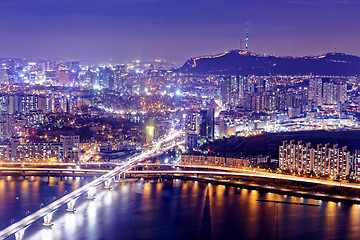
(91, 194)
(20, 234)
(160, 176)
(23, 172)
(48, 174)
(73, 174)
(61, 175)
(71, 205)
(118, 178)
(108, 184)
(185, 176)
(85, 174)
(48, 220)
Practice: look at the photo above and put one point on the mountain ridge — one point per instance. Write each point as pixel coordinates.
(241, 62)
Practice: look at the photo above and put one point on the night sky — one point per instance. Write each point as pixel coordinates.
(175, 29)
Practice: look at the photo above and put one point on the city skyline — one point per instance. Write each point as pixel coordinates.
(176, 31)
(192, 119)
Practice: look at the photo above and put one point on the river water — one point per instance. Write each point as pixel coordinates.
(175, 210)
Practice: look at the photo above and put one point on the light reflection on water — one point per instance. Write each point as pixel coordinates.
(186, 210)
(18, 195)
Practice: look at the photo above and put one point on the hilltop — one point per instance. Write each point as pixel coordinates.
(240, 62)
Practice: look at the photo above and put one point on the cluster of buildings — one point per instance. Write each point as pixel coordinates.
(199, 127)
(72, 73)
(60, 73)
(263, 95)
(323, 160)
(214, 161)
(67, 149)
(254, 104)
(150, 99)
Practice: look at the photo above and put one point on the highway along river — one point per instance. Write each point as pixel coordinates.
(175, 210)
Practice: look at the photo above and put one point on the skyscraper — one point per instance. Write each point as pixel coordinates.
(207, 123)
(105, 77)
(191, 129)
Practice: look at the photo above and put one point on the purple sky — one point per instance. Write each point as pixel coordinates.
(175, 29)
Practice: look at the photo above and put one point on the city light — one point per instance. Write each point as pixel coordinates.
(144, 99)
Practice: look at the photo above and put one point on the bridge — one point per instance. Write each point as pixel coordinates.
(51, 171)
(46, 212)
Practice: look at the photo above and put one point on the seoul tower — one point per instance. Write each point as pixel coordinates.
(247, 37)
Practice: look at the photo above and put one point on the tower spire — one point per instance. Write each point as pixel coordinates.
(247, 37)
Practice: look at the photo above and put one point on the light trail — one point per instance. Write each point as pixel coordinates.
(239, 174)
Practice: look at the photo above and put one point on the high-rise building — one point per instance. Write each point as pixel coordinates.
(4, 152)
(207, 123)
(328, 94)
(357, 165)
(38, 152)
(65, 77)
(191, 129)
(51, 77)
(315, 90)
(233, 89)
(69, 141)
(323, 160)
(225, 90)
(74, 66)
(340, 93)
(105, 77)
(87, 78)
(14, 142)
(119, 70)
(4, 103)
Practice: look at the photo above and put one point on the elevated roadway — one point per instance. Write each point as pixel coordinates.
(19, 227)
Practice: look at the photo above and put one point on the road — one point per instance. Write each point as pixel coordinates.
(25, 222)
(64, 170)
(248, 174)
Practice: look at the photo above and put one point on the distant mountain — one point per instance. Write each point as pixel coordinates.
(240, 62)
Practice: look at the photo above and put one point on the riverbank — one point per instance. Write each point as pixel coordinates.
(284, 187)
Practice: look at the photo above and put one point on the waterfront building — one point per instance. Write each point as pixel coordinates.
(193, 159)
(214, 161)
(4, 152)
(38, 152)
(296, 157)
(326, 161)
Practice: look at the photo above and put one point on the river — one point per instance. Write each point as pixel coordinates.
(175, 210)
